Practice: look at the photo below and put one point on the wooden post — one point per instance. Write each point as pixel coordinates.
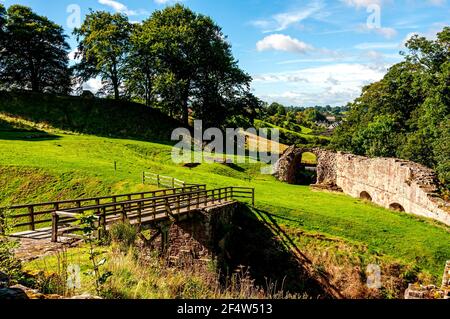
(103, 221)
(158, 180)
(143, 178)
(139, 215)
(197, 204)
(178, 201)
(253, 197)
(173, 182)
(97, 203)
(164, 239)
(189, 202)
(154, 209)
(31, 212)
(55, 220)
(124, 214)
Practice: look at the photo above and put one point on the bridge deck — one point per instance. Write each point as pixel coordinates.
(150, 217)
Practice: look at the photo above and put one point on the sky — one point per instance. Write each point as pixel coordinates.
(298, 52)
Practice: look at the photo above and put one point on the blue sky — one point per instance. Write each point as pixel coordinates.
(299, 52)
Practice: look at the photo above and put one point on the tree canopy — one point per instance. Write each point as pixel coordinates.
(176, 60)
(407, 113)
(103, 47)
(189, 63)
(34, 52)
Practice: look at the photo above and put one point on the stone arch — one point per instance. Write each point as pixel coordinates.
(287, 167)
(366, 196)
(397, 207)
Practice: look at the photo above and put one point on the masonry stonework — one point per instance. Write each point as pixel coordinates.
(203, 236)
(392, 183)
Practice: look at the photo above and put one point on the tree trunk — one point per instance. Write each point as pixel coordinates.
(115, 82)
(116, 92)
(184, 105)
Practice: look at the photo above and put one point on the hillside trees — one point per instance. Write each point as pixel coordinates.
(188, 63)
(103, 46)
(407, 113)
(33, 52)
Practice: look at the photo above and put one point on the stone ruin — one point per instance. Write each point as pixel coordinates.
(416, 291)
(389, 182)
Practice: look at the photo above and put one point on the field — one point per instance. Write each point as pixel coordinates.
(50, 160)
(65, 166)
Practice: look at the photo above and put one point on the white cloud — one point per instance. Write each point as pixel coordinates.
(437, 2)
(93, 85)
(361, 3)
(281, 42)
(333, 84)
(377, 45)
(120, 7)
(282, 21)
(386, 32)
(166, 1)
(72, 54)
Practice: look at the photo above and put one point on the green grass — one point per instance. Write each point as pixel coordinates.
(304, 132)
(65, 166)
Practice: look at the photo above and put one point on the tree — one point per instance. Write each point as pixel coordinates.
(194, 64)
(406, 114)
(103, 46)
(141, 67)
(34, 52)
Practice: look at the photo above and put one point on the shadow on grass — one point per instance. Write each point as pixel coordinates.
(258, 242)
(31, 136)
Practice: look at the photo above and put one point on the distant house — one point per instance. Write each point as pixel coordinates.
(331, 119)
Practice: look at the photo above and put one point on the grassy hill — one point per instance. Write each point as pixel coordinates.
(100, 117)
(302, 136)
(339, 234)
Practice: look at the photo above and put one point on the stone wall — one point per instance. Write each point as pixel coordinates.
(202, 236)
(389, 182)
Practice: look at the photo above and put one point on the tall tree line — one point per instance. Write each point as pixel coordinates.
(33, 52)
(407, 113)
(176, 60)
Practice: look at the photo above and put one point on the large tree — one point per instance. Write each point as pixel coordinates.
(194, 65)
(103, 46)
(141, 70)
(407, 113)
(33, 52)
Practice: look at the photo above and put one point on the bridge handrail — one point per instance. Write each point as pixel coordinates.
(161, 180)
(142, 208)
(56, 205)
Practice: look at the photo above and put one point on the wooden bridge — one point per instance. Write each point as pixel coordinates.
(51, 220)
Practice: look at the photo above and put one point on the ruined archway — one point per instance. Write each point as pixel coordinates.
(297, 166)
(397, 207)
(383, 179)
(366, 196)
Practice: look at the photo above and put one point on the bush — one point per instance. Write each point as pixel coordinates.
(124, 234)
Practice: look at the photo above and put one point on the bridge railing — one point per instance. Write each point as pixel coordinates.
(161, 180)
(148, 210)
(39, 215)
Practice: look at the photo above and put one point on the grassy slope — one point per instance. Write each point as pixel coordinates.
(305, 133)
(78, 165)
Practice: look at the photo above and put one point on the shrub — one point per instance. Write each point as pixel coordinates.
(124, 234)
